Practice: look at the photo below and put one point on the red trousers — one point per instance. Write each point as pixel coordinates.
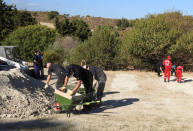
(167, 74)
(179, 75)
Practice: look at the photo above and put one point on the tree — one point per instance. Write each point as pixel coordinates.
(100, 49)
(66, 15)
(6, 19)
(122, 23)
(64, 28)
(153, 38)
(66, 44)
(11, 19)
(30, 38)
(183, 51)
(81, 29)
(54, 56)
(52, 14)
(23, 18)
(149, 41)
(77, 28)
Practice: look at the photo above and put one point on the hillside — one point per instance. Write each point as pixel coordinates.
(93, 22)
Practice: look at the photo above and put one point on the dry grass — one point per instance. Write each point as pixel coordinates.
(93, 22)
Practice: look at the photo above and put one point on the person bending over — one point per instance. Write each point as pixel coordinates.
(59, 70)
(83, 76)
(100, 77)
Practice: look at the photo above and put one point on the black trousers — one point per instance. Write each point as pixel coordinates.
(173, 71)
(100, 90)
(158, 71)
(88, 81)
(101, 86)
(60, 81)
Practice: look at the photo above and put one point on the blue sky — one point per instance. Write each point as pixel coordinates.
(130, 9)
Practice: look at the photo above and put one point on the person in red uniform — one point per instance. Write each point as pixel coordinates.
(167, 68)
(179, 71)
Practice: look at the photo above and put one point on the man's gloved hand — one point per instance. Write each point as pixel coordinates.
(62, 88)
(46, 86)
(69, 92)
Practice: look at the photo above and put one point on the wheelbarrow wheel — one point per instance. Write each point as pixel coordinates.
(56, 107)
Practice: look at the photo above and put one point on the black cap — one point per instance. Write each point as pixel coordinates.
(36, 51)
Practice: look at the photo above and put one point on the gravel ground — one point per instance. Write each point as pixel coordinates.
(22, 96)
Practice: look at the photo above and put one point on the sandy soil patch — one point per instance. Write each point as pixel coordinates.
(50, 25)
(138, 101)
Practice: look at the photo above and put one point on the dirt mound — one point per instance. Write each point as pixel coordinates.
(22, 96)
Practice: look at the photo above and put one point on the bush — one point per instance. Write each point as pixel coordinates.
(100, 49)
(81, 29)
(23, 18)
(66, 44)
(52, 14)
(151, 39)
(77, 28)
(148, 40)
(11, 19)
(64, 28)
(122, 23)
(30, 38)
(6, 19)
(54, 56)
(183, 51)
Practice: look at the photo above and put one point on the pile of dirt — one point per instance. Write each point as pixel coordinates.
(22, 96)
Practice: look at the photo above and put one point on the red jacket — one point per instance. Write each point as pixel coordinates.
(179, 68)
(167, 64)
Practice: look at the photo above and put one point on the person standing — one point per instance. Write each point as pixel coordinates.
(173, 70)
(100, 77)
(159, 68)
(167, 68)
(36, 64)
(179, 71)
(41, 68)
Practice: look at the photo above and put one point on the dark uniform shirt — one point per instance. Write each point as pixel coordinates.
(97, 73)
(40, 60)
(36, 60)
(159, 64)
(57, 69)
(77, 71)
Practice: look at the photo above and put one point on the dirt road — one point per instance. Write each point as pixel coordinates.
(132, 101)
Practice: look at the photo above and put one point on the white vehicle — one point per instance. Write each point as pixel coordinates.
(9, 59)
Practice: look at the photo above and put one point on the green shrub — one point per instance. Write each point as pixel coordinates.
(151, 38)
(24, 18)
(100, 49)
(30, 38)
(123, 23)
(66, 44)
(54, 56)
(77, 28)
(52, 14)
(183, 51)
(64, 27)
(81, 29)
(11, 19)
